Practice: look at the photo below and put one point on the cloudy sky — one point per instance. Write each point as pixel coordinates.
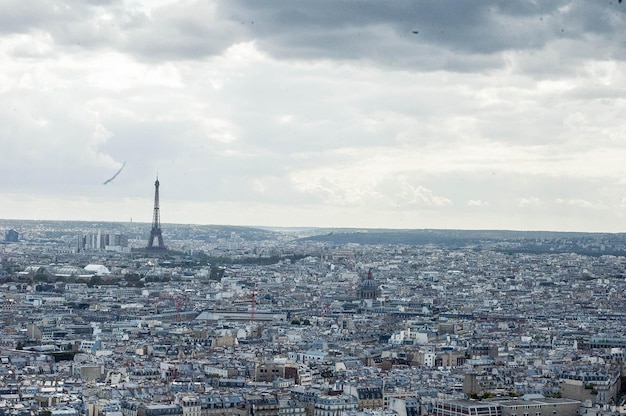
(337, 113)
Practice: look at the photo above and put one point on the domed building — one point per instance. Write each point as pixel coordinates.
(368, 288)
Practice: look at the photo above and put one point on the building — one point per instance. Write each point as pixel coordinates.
(11, 236)
(368, 288)
(291, 408)
(159, 410)
(367, 397)
(192, 406)
(539, 407)
(332, 405)
(597, 388)
(514, 407)
(269, 371)
(407, 406)
(263, 405)
(100, 241)
(223, 405)
(466, 408)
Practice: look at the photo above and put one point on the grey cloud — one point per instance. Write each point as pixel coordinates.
(349, 30)
(58, 18)
(20, 16)
(178, 31)
(432, 34)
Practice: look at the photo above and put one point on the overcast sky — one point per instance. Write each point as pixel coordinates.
(336, 113)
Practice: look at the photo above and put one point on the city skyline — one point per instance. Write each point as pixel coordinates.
(434, 114)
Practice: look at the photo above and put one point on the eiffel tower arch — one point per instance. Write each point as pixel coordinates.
(155, 232)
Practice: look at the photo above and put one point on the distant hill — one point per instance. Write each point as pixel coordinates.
(501, 240)
(425, 236)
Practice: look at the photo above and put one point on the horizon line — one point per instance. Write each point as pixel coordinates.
(324, 227)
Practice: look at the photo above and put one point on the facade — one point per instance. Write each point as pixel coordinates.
(159, 410)
(450, 359)
(367, 397)
(224, 405)
(132, 408)
(191, 406)
(263, 406)
(11, 236)
(102, 241)
(269, 371)
(542, 407)
(333, 405)
(291, 408)
(597, 388)
(537, 407)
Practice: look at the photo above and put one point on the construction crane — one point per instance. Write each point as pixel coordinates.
(178, 301)
(253, 303)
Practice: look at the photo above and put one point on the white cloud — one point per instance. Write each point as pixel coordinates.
(477, 203)
(580, 203)
(403, 193)
(310, 115)
(529, 202)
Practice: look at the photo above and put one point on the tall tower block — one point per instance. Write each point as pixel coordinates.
(155, 232)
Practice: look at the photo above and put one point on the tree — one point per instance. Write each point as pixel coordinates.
(94, 281)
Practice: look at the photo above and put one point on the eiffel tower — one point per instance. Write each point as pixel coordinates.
(155, 232)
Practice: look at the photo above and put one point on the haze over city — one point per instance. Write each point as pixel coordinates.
(429, 114)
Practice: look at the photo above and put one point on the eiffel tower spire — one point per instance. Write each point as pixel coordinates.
(155, 232)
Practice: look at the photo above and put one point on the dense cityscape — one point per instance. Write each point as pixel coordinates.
(258, 321)
(409, 208)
